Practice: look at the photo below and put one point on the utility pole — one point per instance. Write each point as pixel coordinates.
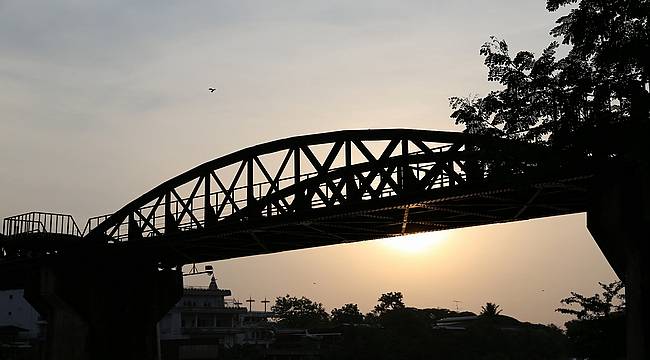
(457, 302)
(265, 302)
(250, 302)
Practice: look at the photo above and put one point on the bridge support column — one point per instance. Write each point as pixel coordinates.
(619, 221)
(103, 309)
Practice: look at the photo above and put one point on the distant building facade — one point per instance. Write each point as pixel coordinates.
(203, 324)
(22, 329)
(16, 311)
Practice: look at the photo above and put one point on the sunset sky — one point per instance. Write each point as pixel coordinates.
(101, 101)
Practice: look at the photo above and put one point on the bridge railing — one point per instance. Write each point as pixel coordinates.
(40, 222)
(92, 222)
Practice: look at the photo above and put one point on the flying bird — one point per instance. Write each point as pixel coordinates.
(212, 89)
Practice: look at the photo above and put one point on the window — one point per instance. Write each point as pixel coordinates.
(205, 320)
(188, 320)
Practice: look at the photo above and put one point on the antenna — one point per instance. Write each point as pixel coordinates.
(250, 302)
(265, 302)
(194, 271)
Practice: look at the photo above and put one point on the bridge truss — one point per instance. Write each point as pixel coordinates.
(331, 188)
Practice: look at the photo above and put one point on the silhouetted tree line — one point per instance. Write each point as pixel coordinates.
(392, 330)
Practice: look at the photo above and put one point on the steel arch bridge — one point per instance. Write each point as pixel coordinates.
(321, 189)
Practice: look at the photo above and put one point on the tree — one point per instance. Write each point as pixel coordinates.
(598, 331)
(294, 312)
(347, 314)
(611, 35)
(490, 310)
(602, 82)
(388, 302)
(610, 301)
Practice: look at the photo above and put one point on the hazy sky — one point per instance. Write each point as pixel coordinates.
(103, 100)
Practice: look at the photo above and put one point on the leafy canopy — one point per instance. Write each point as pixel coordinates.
(347, 314)
(602, 81)
(490, 310)
(388, 302)
(291, 311)
(598, 330)
(610, 301)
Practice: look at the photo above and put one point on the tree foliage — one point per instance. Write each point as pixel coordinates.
(388, 302)
(611, 300)
(602, 81)
(347, 314)
(395, 331)
(490, 310)
(598, 330)
(301, 312)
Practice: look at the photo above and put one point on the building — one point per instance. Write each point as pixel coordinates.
(16, 311)
(455, 322)
(21, 327)
(203, 324)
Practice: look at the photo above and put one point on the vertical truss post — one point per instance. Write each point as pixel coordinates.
(209, 216)
(407, 180)
(348, 153)
(134, 231)
(296, 165)
(351, 188)
(170, 220)
(299, 198)
(250, 191)
(251, 202)
(405, 153)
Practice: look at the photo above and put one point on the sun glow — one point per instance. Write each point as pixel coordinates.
(415, 243)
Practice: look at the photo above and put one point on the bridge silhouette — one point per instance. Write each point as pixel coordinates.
(319, 190)
(288, 194)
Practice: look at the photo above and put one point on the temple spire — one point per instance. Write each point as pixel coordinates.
(213, 284)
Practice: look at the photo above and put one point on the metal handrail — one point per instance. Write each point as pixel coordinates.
(40, 222)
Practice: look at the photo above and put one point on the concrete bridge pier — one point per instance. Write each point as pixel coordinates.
(619, 221)
(100, 308)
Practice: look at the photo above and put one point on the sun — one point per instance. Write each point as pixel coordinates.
(415, 243)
